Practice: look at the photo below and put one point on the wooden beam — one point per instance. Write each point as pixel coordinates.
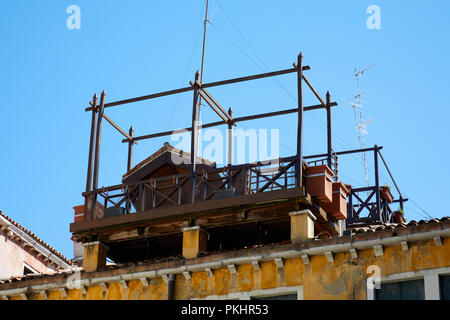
(212, 84)
(341, 153)
(212, 106)
(313, 90)
(186, 211)
(240, 119)
(216, 103)
(119, 129)
(253, 77)
(146, 97)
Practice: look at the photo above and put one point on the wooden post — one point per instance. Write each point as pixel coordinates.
(299, 166)
(350, 207)
(230, 139)
(230, 146)
(97, 153)
(142, 197)
(194, 137)
(129, 164)
(329, 136)
(91, 153)
(377, 183)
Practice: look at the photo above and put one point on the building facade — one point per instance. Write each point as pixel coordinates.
(23, 253)
(402, 261)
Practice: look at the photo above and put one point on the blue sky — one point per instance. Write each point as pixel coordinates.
(49, 74)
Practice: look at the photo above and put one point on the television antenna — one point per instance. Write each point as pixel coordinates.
(361, 125)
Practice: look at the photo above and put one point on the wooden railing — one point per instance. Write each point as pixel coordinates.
(362, 207)
(214, 183)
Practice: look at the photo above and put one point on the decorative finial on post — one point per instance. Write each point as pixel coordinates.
(94, 102)
(230, 140)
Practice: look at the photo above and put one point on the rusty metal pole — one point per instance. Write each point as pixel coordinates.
(299, 166)
(329, 126)
(377, 184)
(97, 153)
(230, 146)
(130, 149)
(91, 153)
(230, 139)
(194, 137)
(129, 164)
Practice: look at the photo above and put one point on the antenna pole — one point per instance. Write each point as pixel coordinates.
(203, 50)
(360, 124)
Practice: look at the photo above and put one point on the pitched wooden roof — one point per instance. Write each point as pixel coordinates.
(166, 155)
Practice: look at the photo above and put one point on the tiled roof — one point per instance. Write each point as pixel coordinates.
(393, 226)
(166, 148)
(371, 229)
(42, 242)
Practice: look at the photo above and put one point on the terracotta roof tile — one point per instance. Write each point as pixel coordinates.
(42, 242)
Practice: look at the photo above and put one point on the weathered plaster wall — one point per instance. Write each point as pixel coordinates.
(12, 258)
(345, 278)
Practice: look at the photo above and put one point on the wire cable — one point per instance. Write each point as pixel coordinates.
(194, 45)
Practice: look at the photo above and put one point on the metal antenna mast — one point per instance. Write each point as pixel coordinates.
(203, 50)
(199, 101)
(361, 125)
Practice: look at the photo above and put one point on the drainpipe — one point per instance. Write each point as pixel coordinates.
(171, 290)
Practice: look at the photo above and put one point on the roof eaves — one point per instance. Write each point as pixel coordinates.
(61, 260)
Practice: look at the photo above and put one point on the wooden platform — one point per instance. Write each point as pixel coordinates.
(271, 205)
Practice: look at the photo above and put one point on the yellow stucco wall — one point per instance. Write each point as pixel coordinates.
(345, 278)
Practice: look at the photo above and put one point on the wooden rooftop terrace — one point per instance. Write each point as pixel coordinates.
(196, 193)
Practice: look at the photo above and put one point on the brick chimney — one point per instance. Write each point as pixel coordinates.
(79, 213)
(77, 246)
